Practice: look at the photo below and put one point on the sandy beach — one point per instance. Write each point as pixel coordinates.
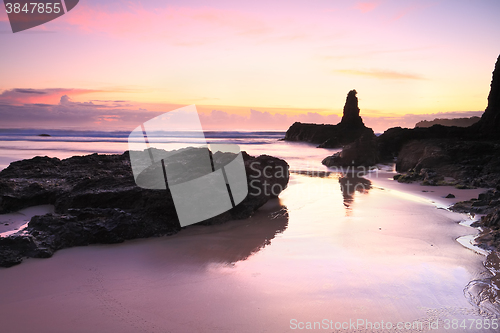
(230, 166)
(389, 254)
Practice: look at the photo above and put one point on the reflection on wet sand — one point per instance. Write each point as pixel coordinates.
(349, 185)
(313, 173)
(392, 259)
(226, 243)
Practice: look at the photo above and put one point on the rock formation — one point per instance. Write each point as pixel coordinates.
(362, 152)
(446, 155)
(351, 117)
(487, 128)
(489, 125)
(347, 131)
(470, 156)
(459, 122)
(454, 150)
(97, 201)
(465, 157)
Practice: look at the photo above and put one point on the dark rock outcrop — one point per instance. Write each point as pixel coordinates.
(97, 201)
(362, 152)
(458, 122)
(392, 140)
(487, 203)
(350, 116)
(469, 163)
(471, 156)
(487, 128)
(489, 125)
(347, 131)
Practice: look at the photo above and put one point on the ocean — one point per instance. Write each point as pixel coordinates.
(22, 144)
(382, 257)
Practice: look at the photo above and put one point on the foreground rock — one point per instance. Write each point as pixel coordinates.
(97, 201)
(350, 128)
(487, 204)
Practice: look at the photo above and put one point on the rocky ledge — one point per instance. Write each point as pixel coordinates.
(488, 205)
(97, 201)
(439, 155)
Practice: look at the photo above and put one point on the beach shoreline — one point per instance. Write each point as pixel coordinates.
(150, 278)
(317, 246)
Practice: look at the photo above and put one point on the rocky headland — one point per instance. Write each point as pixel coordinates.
(459, 122)
(465, 157)
(96, 200)
(350, 128)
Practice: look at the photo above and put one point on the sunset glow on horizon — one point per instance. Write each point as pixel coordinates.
(249, 65)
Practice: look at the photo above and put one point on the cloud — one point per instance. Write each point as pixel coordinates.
(367, 53)
(365, 7)
(30, 91)
(64, 113)
(380, 124)
(68, 114)
(3, 16)
(199, 25)
(380, 74)
(22, 96)
(219, 120)
(410, 9)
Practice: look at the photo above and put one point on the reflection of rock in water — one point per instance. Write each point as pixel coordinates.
(484, 293)
(313, 173)
(349, 185)
(350, 182)
(226, 243)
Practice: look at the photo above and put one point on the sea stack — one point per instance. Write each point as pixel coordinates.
(351, 117)
(350, 128)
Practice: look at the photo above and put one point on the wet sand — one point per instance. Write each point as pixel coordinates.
(13, 222)
(385, 252)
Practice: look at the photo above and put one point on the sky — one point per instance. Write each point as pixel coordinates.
(249, 64)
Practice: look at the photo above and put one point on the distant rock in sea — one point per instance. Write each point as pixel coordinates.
(350, 128)
(459, 122)
(44, 135)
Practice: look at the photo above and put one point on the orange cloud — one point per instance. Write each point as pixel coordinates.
(410, 9)
(380, 74)
(365, 7)
(198, 25)
(3, 15)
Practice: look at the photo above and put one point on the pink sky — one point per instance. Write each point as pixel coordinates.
(259, 64)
